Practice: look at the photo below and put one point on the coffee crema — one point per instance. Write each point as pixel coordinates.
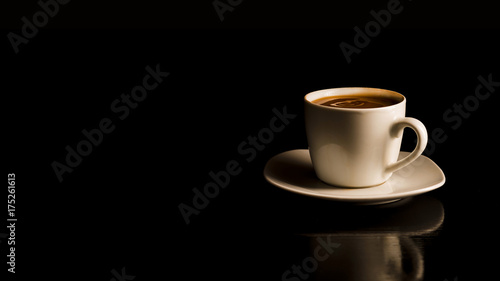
(356, 101)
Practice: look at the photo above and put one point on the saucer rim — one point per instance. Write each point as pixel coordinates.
(361, 199)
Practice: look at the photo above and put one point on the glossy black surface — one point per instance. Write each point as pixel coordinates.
(119, 211)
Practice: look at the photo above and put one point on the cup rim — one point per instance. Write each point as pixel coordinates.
(353, 91)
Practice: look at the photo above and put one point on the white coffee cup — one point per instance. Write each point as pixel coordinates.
(359, 147)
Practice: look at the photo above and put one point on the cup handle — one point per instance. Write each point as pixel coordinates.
(397, 130)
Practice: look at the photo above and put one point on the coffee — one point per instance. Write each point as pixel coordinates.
(356, 101)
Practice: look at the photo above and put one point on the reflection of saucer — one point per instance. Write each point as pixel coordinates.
(292, 170)
(408, 217)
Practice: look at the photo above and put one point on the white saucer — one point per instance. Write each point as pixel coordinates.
(293, 171)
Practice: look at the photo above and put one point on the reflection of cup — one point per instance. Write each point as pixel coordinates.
(371, 258)
(359, 147)
(374, 242)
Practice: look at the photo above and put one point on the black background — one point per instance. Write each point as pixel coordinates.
(119, 207)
